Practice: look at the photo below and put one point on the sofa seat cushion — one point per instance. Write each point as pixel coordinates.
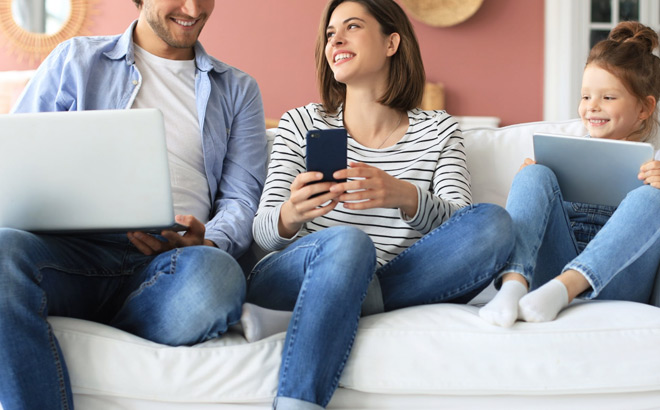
(592, 347)
(445, 349)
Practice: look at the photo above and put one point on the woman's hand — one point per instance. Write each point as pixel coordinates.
(301, 207)
(528, 161)
(374, 188)
(150, 245)
(649, 172)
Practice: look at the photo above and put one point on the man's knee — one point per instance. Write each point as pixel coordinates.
(212, 272)
(14, 242)
(208, 297)
(15, 249)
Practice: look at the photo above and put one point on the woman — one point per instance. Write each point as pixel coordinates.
(403, 213)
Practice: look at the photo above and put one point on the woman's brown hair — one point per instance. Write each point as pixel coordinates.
(627, 53)
(407, 77)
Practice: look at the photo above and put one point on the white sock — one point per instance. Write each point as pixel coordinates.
(502, 310)
(543, 304)
(259, 323)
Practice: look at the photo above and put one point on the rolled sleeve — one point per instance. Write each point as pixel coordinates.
(243, 171)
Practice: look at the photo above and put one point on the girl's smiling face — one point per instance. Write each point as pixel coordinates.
(607, 108)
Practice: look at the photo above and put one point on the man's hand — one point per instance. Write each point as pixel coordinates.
(150, 245)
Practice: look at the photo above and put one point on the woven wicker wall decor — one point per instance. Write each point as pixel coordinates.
(441, 13)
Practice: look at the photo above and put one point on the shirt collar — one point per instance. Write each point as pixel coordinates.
(124, 49)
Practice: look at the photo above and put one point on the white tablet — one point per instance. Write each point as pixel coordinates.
(592, 170)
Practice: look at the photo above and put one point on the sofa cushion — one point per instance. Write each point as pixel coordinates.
(448, 349)
(444, 349)
(494, 155)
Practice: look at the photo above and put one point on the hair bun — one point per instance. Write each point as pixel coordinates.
(637, 33)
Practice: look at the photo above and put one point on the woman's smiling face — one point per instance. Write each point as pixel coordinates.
(357, 49)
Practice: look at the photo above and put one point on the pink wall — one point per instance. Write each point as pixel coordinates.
(491, 65)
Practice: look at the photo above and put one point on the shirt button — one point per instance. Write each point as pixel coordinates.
(135, 82)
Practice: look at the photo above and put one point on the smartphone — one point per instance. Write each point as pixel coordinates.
(326, 152)
(176, 227)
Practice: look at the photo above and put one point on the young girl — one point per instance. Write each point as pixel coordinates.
(403, 213)
(599, 252)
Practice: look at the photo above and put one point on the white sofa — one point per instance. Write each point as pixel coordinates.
(596, 355)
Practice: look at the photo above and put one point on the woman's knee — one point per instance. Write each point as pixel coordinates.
(347, 243)
(344, 261)
(345, 232)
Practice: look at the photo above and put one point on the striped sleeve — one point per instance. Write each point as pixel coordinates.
(286, 162)
(451, 179)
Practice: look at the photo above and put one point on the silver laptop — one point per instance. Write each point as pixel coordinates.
(592, 170)
(85, 171)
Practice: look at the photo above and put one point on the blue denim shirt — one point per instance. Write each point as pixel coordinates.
(96, 73)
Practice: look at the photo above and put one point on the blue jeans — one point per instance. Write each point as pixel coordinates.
(616, 249)
(180, 297)
(323, 277)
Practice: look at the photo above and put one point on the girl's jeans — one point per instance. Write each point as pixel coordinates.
(617, 251)
(179, 297)
(323, 277)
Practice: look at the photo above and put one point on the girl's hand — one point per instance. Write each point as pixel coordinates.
(528, 161)
(649, 172)
(301, 207)
(375, 188)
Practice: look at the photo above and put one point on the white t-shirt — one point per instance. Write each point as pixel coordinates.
(170, 86)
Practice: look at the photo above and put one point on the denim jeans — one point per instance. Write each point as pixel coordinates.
(323, 277)
(616, 249)
(180, 297)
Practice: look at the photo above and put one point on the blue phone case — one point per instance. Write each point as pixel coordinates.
(326, 152)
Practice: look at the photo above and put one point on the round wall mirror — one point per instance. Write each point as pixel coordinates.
(35, 27)
(41, 16)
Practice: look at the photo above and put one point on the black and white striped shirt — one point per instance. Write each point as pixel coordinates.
(431, 155)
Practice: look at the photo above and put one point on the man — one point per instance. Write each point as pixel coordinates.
(173, 289)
